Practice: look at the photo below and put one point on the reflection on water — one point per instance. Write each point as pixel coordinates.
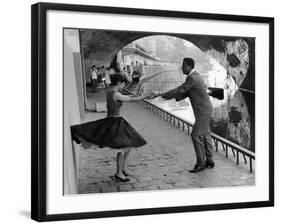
(232, 117)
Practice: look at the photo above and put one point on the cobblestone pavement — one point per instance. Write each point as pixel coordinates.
(163, 163)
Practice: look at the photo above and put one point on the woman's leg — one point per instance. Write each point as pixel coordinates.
(119, 171)
(125, 160)
(119, 164)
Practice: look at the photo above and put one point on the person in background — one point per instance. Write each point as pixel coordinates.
(100, 85)
(124, 71)
(107, 77)
(94, 78)
(103, 75)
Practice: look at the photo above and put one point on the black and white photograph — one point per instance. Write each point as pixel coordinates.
(140, 111)
(155, 111)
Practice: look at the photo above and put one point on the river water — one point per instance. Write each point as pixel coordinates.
(232, 118)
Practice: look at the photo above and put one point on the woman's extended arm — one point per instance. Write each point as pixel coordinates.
(125, 98)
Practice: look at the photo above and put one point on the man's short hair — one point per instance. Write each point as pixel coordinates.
(189, 62)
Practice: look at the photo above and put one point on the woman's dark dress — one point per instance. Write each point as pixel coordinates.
(113, 131)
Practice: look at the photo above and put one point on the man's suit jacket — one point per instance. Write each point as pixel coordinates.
(194, 88)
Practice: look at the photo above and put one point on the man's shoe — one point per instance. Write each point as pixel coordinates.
(126, 179)
(209, 164)
(197, 169)
(126, 174)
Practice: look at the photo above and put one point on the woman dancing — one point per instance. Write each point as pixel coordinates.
(113, 131)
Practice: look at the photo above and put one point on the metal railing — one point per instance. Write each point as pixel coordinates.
(185, 125)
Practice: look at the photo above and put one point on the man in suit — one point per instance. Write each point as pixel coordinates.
(195, 89)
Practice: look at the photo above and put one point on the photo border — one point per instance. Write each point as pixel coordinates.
(39, 110)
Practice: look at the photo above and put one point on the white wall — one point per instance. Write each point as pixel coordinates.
(15, 111)
(71, 113)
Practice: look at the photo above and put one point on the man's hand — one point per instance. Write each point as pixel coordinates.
(146, 95)
(153, 95)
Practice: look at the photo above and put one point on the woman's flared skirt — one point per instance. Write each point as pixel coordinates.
(113, 132)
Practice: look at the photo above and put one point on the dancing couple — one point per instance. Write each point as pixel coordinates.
(115, 132)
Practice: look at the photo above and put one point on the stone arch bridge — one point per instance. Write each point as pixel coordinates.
(235, 54)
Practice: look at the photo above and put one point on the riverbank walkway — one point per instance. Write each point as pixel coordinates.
(163, 163)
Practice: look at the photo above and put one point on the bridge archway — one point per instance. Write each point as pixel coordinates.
(235, 54)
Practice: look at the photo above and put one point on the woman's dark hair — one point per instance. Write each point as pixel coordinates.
(115, 78)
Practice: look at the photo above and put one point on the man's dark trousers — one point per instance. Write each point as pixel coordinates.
(194, 88)
(202, 140)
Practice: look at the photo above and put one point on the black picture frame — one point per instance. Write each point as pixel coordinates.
(39, 108)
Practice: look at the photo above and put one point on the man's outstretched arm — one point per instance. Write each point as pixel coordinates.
(177, 92)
